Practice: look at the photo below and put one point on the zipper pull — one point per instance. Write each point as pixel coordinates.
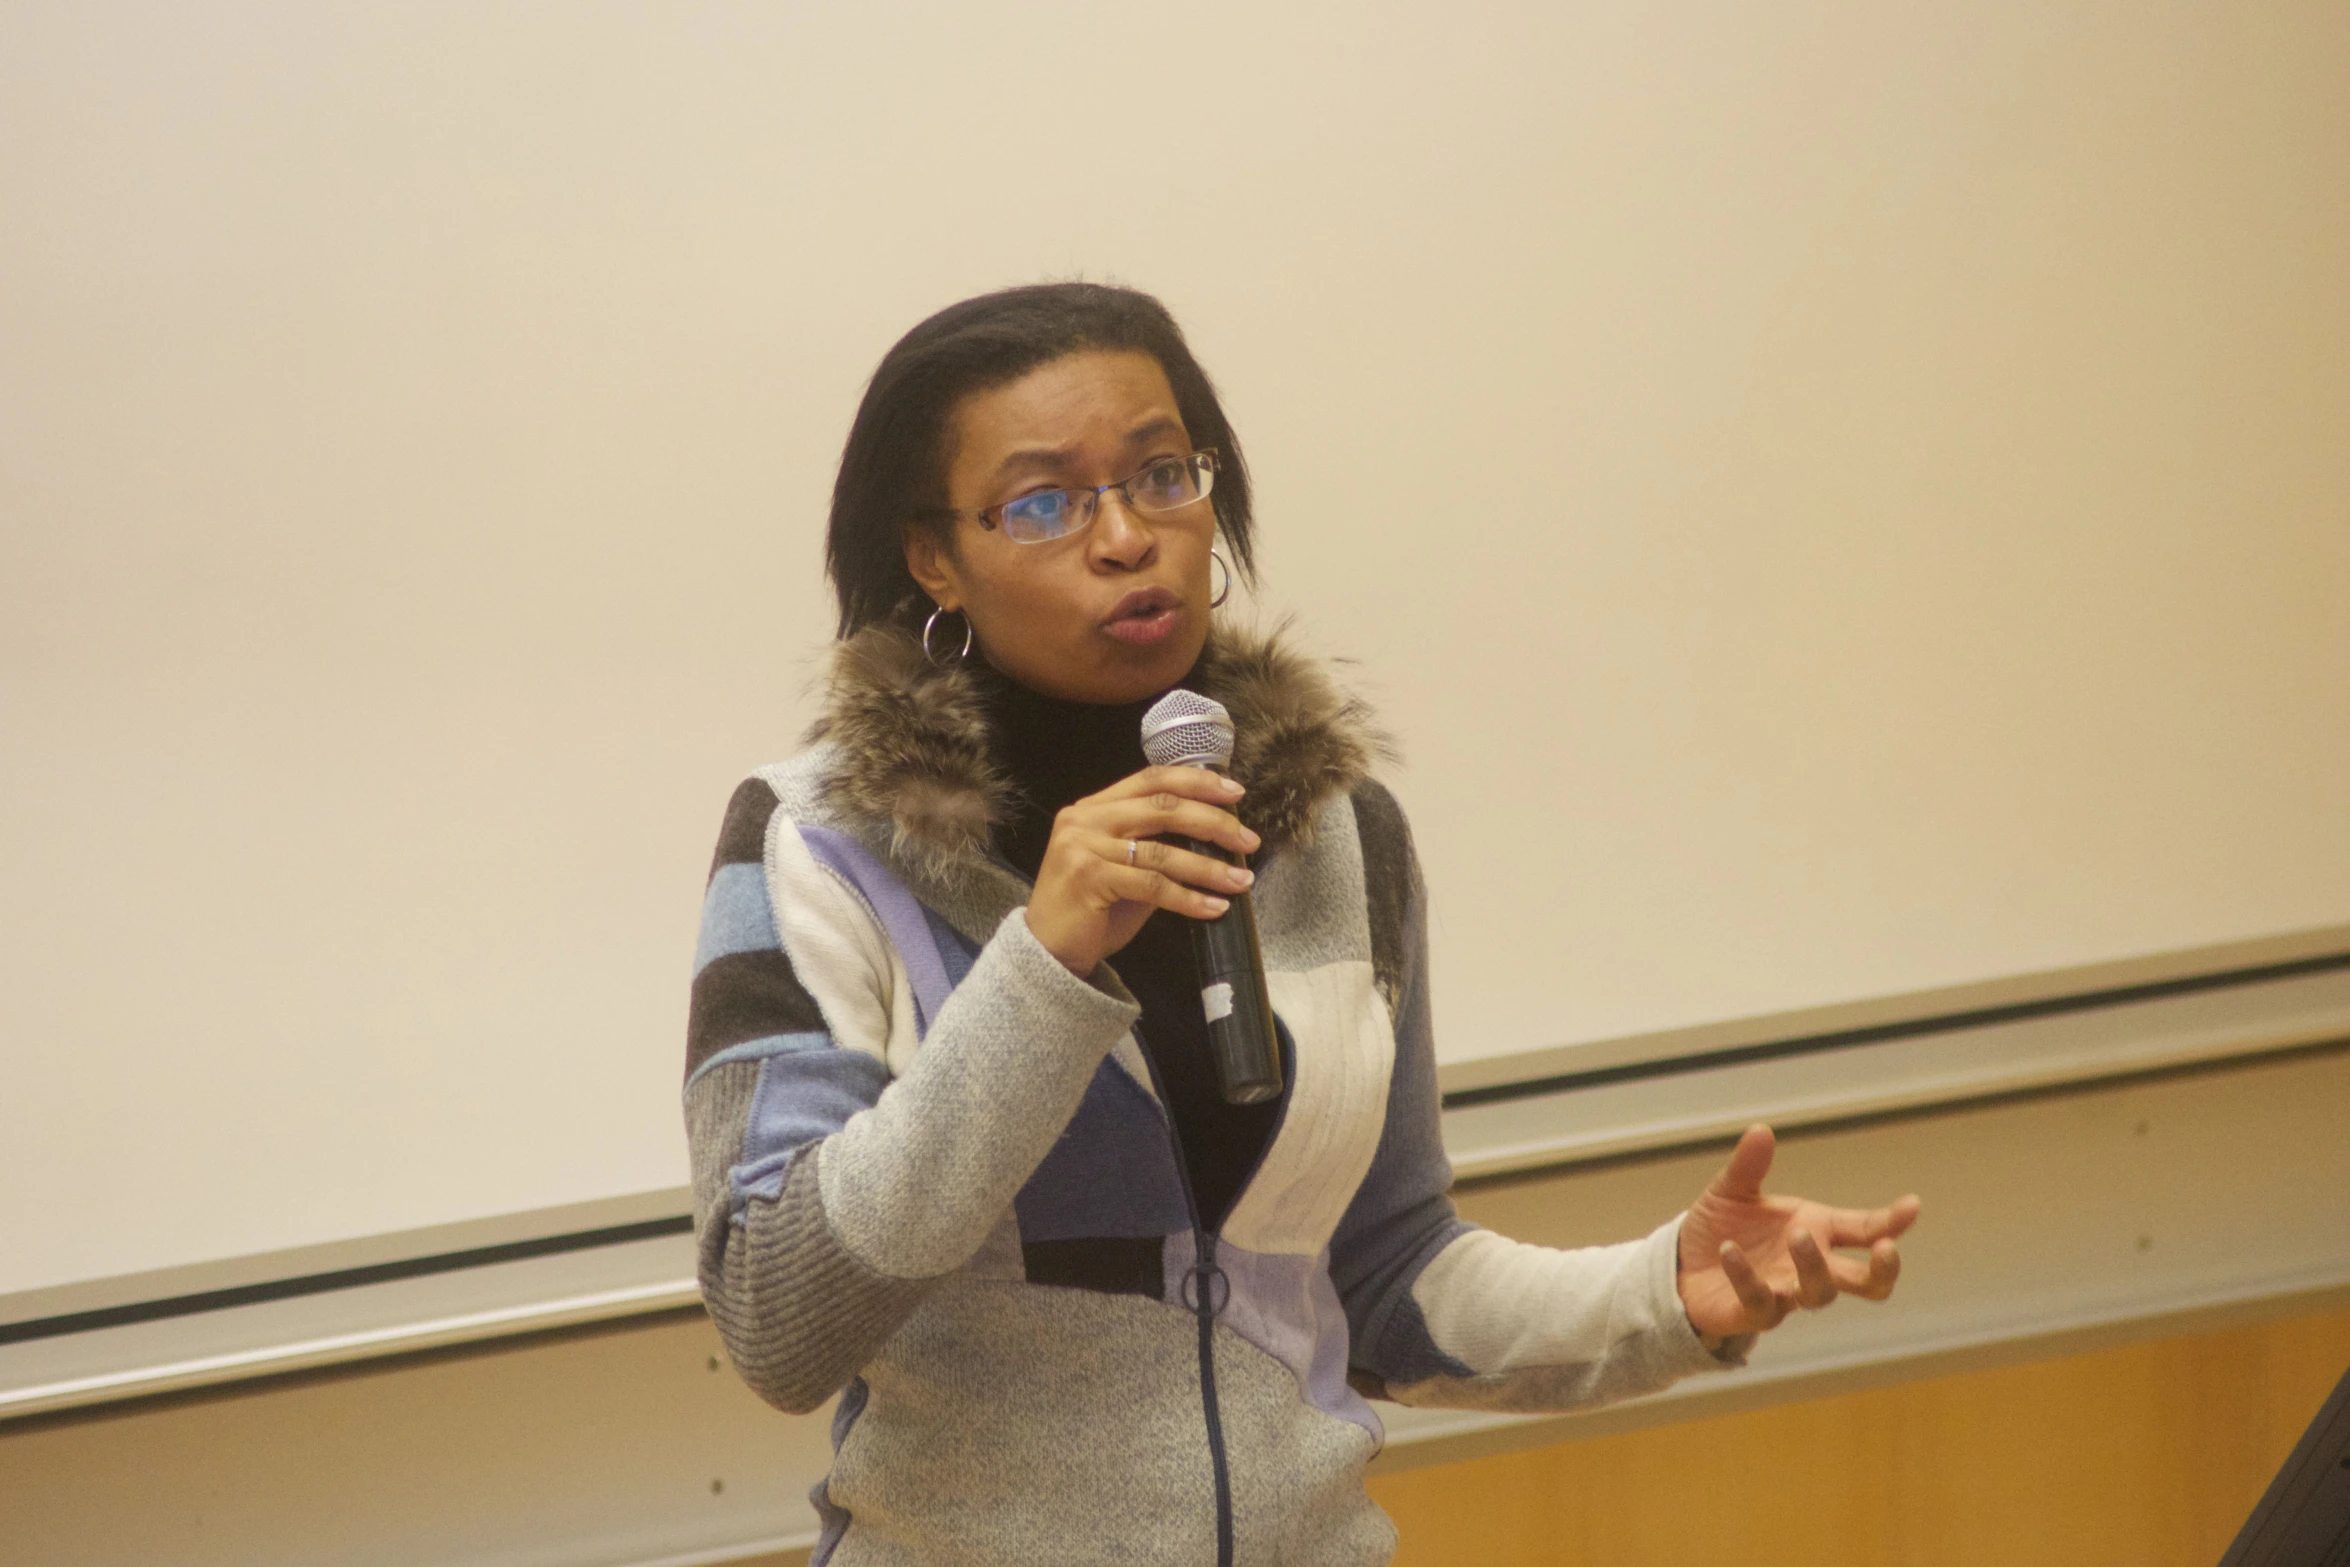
(1210, 1289)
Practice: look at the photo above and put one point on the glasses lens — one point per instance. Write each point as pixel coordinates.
(1172, 482)
(1032, 519)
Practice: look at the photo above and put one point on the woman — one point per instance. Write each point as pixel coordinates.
(958, 1156)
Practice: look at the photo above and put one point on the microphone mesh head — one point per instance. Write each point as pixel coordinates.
(1185, 729)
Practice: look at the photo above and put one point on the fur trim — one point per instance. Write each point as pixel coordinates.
(914, 741)
(1297, 738)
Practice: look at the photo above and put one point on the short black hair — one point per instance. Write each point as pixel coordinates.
(893, 469)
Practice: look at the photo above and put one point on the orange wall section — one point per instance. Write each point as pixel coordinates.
(2150, 1455)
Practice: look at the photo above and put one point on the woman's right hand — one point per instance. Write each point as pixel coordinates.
(1104, 871)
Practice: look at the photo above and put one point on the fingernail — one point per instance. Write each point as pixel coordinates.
(1231, 786)
(1218, 905)
(1252, 840)
(1241, 876)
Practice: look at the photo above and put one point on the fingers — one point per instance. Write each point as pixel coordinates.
(1820, 1277)
(1765, 1308)
(1884, 1269)
(1166, 815)
(1741, 1179)
(1815, 1286)
(1871, 1279)
(1161, 891)
(1192, 882)
(1867, 1226)
(1193, 783)
(1189, 802)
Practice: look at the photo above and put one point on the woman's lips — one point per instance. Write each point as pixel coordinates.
(1144, 617)
(1144, 629)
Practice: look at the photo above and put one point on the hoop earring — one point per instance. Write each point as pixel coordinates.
(1225, 591)
(935, 661)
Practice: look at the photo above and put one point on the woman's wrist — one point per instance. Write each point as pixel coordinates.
(1066, 952)
(1711, 1343)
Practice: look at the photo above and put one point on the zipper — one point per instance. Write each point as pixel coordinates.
(1202, 1283)
(1205, 1276)
(1210, 1288)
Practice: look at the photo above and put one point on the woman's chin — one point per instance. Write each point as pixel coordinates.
(1145, 660)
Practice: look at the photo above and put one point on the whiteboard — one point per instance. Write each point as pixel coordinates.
(1834, 500)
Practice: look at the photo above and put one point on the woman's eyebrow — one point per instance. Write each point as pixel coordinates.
(1144, 433)
(1036, 457)
(1063, 456)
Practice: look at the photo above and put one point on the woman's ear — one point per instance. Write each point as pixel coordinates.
(931, 562)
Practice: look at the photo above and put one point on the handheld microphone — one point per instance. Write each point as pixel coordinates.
(1185, 729)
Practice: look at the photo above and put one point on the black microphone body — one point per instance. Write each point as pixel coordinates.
(1185, 729)
(1232, 989)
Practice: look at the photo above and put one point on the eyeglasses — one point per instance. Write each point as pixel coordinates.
(1166, 485)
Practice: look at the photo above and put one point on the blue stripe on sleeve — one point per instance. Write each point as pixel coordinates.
(802, 1095)
(761, 1049)
(737, 915)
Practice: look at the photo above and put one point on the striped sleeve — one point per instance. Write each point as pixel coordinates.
(1444, 1313)
(766, 1083)
(831, 1192)
(745, 994)
(1401, 1215)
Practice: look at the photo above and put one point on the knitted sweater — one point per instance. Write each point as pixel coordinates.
(1054, 752)
(933, 1175)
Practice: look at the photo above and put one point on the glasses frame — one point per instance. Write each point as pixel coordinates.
(1204, 459)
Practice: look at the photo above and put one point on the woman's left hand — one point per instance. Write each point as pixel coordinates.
(1748, 1260)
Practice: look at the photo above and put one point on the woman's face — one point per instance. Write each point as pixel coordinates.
(1114, 612)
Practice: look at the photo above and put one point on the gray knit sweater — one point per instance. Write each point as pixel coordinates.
(932, 1174)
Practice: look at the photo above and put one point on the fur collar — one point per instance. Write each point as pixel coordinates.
(914, 741)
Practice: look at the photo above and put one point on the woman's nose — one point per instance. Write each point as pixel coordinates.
(1119, 536)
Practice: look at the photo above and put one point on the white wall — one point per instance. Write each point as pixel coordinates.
(1836, 501)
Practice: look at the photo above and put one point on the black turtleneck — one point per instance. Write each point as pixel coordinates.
(1057, 752)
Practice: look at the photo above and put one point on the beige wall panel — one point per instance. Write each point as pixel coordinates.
(600, 1451)
(2069, 1212)
(629, 1446)
(2146, 1456)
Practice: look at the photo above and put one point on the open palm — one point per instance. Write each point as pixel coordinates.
(1748, 1260)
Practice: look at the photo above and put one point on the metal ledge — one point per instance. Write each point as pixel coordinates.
(176, 1342)
(1836, 1077)
(241, 1318)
